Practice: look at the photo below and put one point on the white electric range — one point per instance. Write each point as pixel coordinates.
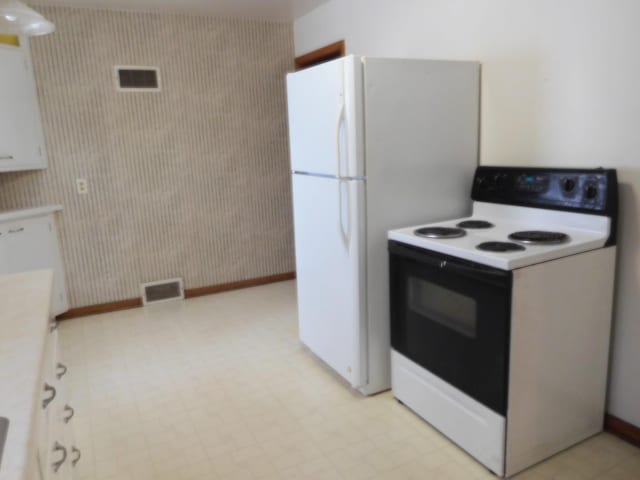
(500, 322)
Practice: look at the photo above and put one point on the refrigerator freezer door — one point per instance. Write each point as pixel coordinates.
(330, 248)
(325, 119)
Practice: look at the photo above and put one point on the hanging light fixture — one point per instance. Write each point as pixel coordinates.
(18, 19)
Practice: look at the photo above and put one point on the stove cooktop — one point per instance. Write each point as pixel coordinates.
(517, 236)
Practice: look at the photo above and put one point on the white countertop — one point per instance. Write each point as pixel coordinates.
(28, 213)
(25, 303)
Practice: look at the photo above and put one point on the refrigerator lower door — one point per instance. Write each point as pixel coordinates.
(330, 261)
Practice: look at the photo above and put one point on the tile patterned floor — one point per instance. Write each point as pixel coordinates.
(220, 388)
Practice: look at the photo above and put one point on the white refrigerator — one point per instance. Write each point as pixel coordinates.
(375, 144)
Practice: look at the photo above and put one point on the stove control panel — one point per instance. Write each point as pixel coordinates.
(589, 190)
(532, 183)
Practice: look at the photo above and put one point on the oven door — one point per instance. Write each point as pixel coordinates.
(451, 317)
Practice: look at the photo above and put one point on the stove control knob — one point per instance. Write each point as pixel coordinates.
(483, 182)
(568, 184)
(591, 192)
(500, 180)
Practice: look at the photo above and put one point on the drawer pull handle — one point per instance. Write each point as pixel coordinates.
(72, 412)
(17, 230)
(6, 157)
(76, 451)
(47, 401)
(64, 369)
(59, 448)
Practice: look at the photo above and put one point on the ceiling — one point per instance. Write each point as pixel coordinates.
(274, 10)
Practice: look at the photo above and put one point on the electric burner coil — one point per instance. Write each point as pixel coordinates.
(440, 232)
(475, 224)
(500, 247)
(539, 237)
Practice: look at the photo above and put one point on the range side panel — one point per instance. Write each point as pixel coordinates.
(560, 334)
(421, 150)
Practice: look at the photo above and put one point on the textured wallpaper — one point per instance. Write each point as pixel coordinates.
(191, 182)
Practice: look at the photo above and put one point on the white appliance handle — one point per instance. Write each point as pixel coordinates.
(345, 233)
(338, 149)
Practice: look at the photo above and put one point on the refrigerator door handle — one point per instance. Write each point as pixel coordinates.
(338, 149)
(344, 232)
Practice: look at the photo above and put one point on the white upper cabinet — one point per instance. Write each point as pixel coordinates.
(21, 135)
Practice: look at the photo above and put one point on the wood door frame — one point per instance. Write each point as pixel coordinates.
(321, 55)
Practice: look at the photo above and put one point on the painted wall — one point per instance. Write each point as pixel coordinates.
(560, 88)
(191, 182)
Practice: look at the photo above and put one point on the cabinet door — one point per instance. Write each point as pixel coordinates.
(47, 395)
(60, 447)
(28, 245)
(21, 140)
(51, 446)
(32, 244)
(58, 466)
(75, 454)
(62, 427)
(66, 418)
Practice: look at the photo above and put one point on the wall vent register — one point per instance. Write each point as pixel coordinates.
(162, 291)
(137, 79)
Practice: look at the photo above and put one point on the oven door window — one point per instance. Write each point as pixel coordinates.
(444, 306)
(452, 317)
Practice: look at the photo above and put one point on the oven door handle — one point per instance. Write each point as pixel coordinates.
(451, 265)
(461, 268)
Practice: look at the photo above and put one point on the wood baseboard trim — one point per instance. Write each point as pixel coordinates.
(101, 308)
(622, 429)
(225, 287)
(188, 293)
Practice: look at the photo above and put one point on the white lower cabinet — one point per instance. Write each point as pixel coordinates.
(57, 452)
(31, 243)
